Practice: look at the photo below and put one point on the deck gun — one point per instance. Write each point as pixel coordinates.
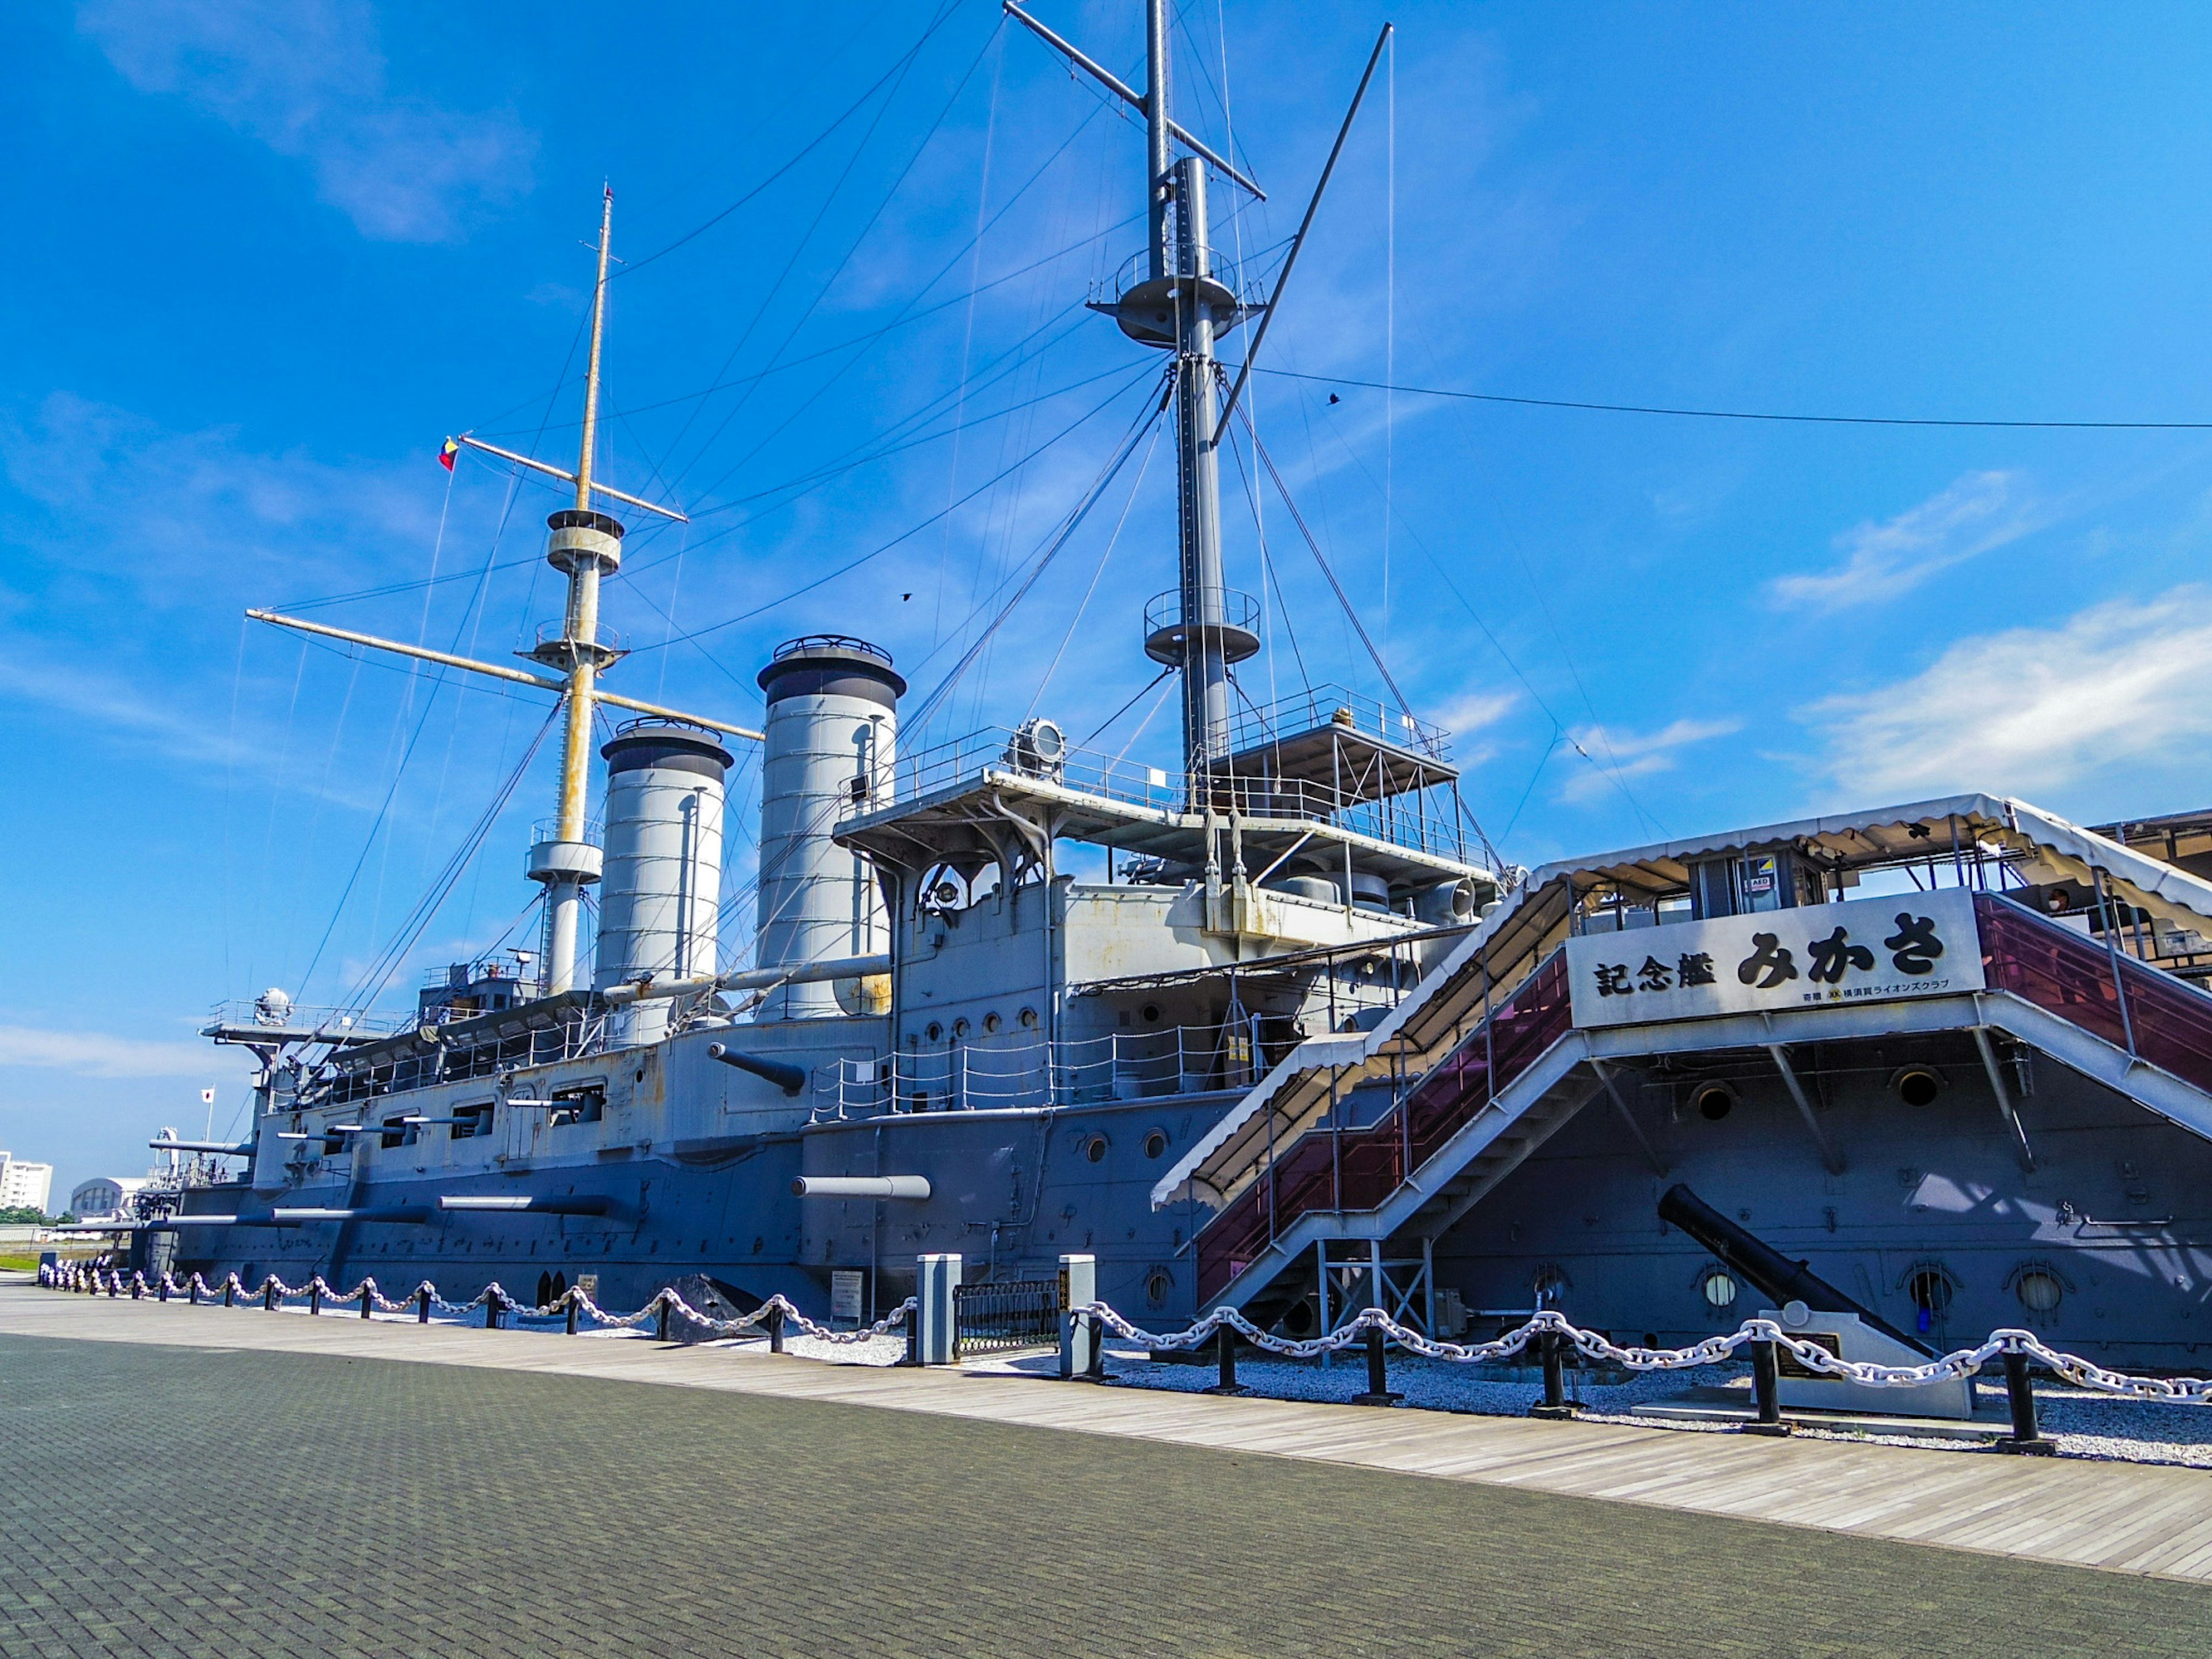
(1767, 1269)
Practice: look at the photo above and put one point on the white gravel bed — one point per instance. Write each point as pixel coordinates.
(2086, 1424)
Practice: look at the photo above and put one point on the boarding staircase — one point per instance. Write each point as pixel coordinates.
(1451, 1135)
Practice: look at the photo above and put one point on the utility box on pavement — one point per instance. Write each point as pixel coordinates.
(936, 1277)
(1079, 1285)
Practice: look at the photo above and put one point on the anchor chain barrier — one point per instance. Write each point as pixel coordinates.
(1713, 1351)
(1961, 1364)
(273, 1291)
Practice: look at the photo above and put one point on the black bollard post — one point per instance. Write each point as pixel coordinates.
(913, 1336)
(1224, 1359)
(1555, 1408)
(1096, 1370)
(571, 1321)
(163, 1294)
(422, 1306)
(1766, 1389)
(114, 1286)
(2027, 1439)
(491, 1313)
(775, 1327)
(269, 1295)
(367, 1296)
(315, 1298)
(660, 1330)
(1379, 1375)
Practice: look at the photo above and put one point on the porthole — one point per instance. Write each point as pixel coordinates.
(2040, 1291)
(1929, 1288)
(935, 1033)
(1028, 1019)
(1156, 1143)
(1714, 1101)
(1157, 1284)
(991, 1023)
(1150, 1013)
(960, 1029)
(1095, 1149)
(1917, 1085)
(1718, 1287)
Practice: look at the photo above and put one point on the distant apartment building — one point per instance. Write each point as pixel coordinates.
(23, 1185)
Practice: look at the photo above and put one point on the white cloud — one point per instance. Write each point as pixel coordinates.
(1623, 755)
(2031, 709)
(1471, 711)
(306, 78)
(1979, 512)
(96, 1054)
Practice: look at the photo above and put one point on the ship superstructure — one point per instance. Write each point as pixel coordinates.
(1288, 1033)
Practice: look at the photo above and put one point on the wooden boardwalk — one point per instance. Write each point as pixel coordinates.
(2122, 1517)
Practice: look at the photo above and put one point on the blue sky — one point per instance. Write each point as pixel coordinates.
(267, 257)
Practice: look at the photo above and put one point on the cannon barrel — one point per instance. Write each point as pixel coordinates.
(787, 1077)
(1765, 1267)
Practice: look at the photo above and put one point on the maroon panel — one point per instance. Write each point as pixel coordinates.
(2073, 977)
(1358, 1169)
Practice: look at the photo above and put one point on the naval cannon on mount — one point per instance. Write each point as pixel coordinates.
(1765, 1268)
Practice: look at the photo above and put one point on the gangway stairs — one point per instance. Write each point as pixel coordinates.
(1518, 1068)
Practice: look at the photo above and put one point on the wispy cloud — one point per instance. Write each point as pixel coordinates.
(2031, 708)
(98, 1053)
(1617, 755)
(1978, 513)
(306, 78)
(1472, 711)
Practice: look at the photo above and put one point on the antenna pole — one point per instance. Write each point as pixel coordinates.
(584, 543)
(1158, 183)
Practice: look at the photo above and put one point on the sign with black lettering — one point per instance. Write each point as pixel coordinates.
(1910, 945)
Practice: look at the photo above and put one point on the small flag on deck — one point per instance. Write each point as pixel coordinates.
(446, 455)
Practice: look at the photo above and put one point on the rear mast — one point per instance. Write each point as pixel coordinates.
(584, 543)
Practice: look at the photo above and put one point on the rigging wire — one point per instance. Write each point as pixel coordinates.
(1076, 622)
(1322, 559)
(1743, 414)
(908, 534)
(1146, 418)
(899, 67)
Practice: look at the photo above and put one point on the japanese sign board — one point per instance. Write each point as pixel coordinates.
(1874, 950)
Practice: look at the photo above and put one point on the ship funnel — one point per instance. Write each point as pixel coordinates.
(831, 739)
(660, 898)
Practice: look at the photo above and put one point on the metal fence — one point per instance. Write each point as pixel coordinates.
(1022, 1313)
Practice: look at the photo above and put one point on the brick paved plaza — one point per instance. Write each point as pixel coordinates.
(180, 1501)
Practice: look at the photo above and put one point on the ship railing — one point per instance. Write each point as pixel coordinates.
(1319, 706)
(329, 1021)
(1426, 819)
(1114, 1065)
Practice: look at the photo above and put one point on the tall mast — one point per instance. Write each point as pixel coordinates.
(586, 543)
(1181, 303)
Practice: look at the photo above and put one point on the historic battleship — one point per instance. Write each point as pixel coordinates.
(1306, 1045)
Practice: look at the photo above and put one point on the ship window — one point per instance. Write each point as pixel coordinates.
(1152, 1014)
(1156, 1143)
(469, 1121)
(991, 1023)
(1028, 1019)
(2040, 1292)
(1718, 1289)
(397, 1132)
(1095, 1149)
(960, 1029)
(936, 1032)
(587, 1104)
(1930, 1288)
(1157, 1284)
